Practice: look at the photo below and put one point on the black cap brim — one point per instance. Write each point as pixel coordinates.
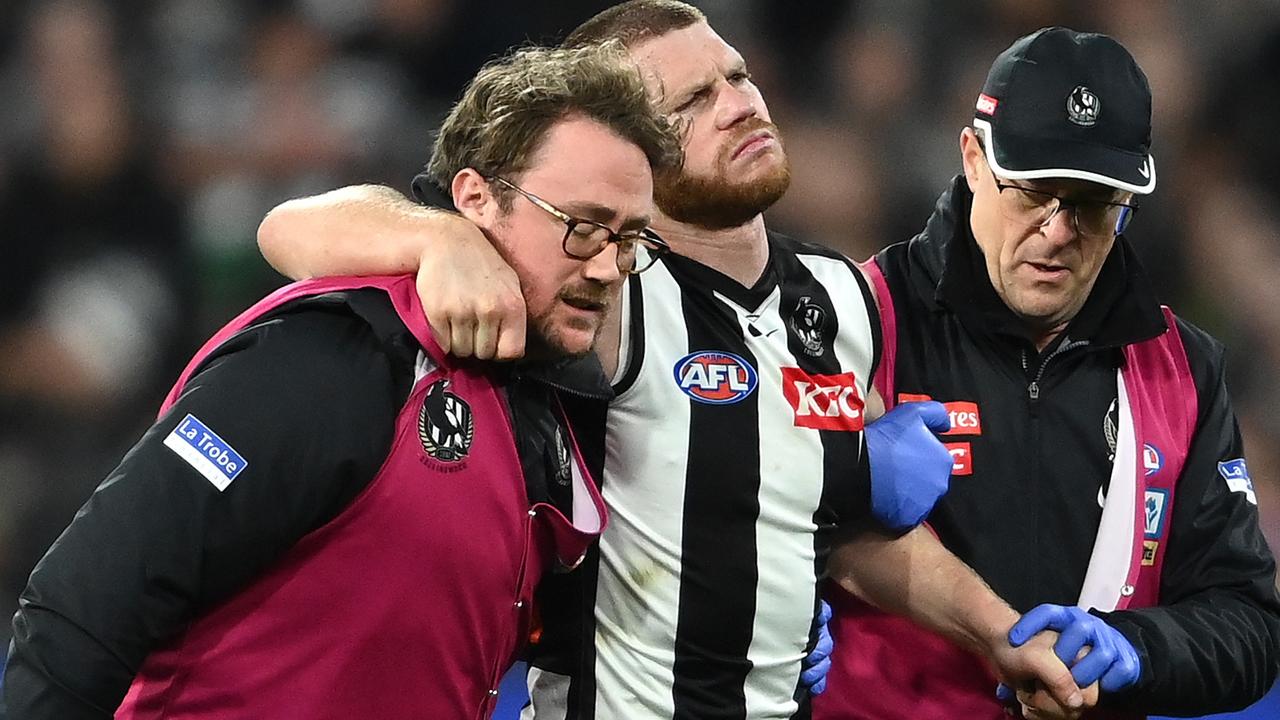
(1022, 158)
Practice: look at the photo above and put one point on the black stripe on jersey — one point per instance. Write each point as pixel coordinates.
(567, 601)
(718, 575)
(841, 450)
(635, 337)
(864, 285)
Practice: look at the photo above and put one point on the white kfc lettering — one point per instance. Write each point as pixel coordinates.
(835, 400)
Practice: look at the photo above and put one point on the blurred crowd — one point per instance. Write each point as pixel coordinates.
(141, 141)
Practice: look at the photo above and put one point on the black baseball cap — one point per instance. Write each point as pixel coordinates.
(1065, 104)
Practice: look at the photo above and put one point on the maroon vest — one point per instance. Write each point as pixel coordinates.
(887, 668)
(411, 603)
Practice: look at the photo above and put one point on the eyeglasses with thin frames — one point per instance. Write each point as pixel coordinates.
(584, 239)
(1036, 208)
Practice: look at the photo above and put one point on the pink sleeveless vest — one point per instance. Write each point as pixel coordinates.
(411, 603)
(887, 668)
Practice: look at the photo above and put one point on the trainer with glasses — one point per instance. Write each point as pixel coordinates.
(1100, 484)
(332, 518)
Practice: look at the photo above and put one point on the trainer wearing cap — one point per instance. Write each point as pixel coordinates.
(1100, 484)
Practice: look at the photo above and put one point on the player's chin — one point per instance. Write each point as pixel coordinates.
(572, 337)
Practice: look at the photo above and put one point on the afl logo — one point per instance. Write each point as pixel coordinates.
(715, 378)
(445, 424)
(1083, 106)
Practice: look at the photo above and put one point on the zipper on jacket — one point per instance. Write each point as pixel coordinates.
(1033, 389)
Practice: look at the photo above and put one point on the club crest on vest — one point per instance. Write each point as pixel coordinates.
(1083, 107)
(445, 424)
(1110, 431)
(808, 322)
(564, 462)
(1111, 428)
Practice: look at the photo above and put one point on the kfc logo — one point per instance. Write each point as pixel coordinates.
(961, 458)
(823, 402)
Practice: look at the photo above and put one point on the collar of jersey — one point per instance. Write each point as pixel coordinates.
(693, 275)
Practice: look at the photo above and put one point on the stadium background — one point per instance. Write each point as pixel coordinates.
(141, 141)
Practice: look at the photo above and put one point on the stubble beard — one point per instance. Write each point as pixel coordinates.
(545, 341)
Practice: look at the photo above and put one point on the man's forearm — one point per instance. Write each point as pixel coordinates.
(469, 294)
(355, 230)
(917, 577)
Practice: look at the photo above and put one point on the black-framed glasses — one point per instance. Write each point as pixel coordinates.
(584, 239)
(1036, 208)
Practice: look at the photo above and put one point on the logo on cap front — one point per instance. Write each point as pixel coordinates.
(1083, 106)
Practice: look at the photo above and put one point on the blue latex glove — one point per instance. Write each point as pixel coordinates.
(910, 468)
(817, 664)
(1112, 659)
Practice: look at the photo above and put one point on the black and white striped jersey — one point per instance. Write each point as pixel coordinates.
(731, 453)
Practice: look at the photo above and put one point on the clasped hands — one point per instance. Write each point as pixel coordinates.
(1058, 661)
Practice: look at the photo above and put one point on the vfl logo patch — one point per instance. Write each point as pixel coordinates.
(1236, 473)
(715, 378)
(808, 322)
(1152, 459)
(961, 458)
(446, 426)
(203, 450)
(823, 402)
(1153, 507)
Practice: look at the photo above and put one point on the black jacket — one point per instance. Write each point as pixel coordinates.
(1026, 515)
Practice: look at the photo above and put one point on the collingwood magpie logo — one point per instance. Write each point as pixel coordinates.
(445, 424)
(1083, 107)
(1111, 432)
(564, 462)
(808, 323)
(1110, 428)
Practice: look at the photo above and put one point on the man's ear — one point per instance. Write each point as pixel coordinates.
(473, 197)
(971, 154)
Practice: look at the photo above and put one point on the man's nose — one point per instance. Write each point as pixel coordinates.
(734, 106)
(603, 267)
(1062, 227)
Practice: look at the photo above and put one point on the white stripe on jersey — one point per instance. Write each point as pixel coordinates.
(639, 578)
